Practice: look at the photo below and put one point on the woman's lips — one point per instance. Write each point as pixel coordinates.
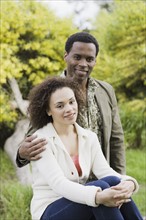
(70, 116)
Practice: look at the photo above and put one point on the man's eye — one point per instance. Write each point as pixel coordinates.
(90, 59)
(77, 57)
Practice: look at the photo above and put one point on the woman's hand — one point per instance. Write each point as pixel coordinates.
(109, 197)
(124, 190)
(116, 195)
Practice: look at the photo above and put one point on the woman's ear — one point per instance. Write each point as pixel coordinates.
(48, 113)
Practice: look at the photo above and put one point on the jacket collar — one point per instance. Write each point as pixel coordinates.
(51, 132)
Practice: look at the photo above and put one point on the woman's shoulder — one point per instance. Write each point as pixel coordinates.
(46, 130)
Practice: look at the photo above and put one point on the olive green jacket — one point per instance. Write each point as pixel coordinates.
(113, 138)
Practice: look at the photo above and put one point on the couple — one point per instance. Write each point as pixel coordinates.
(61, 189)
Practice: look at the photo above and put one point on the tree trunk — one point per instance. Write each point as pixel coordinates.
(11, 147)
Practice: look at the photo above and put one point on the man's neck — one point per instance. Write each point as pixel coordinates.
(83, 85)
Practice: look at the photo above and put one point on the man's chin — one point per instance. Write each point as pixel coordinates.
(80, 78)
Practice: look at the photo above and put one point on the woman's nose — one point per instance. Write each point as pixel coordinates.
(68, 108)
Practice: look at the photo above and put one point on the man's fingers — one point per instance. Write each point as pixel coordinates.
(36, 151)
(37, 157)
(37, 143)
(32, 147)
(30, 138)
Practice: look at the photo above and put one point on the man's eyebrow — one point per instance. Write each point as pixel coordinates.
(77, 54)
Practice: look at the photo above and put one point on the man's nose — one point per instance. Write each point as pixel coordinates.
(83, 62)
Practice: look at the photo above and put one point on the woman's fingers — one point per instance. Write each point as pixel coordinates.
(119, 203)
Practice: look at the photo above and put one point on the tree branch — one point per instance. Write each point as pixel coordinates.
(21, 103)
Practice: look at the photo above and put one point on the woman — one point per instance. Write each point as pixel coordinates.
(60, 188)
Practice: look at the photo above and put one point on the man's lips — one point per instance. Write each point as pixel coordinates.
(81, 71)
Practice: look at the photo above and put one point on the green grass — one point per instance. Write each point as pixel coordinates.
(136, 167)
(15, 198)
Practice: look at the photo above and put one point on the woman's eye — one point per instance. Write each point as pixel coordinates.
(71, 102)
(59, 106)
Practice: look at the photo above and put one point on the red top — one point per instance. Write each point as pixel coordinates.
(76, 162)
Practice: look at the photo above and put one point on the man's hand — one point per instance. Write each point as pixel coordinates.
(30, 148)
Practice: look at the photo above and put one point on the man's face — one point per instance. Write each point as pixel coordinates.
(80, 60)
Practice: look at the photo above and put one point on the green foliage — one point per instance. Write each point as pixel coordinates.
(133, 120)
(7, 170)
(32, 46)
(7, 113)
(121, 35)
(15, 201)
(14, 198)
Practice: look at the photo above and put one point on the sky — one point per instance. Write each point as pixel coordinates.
(62, 8)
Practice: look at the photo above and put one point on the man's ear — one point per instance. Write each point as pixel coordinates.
(65, 55)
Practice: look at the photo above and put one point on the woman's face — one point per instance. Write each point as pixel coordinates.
(63, 106)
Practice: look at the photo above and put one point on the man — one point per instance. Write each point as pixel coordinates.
(100, 113)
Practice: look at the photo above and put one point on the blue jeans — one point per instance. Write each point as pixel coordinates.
(64, 209)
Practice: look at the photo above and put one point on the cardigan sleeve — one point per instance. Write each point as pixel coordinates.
(21, 162)
(59, 183)
(101, 168)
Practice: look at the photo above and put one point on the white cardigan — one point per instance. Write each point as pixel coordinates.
(55, 175)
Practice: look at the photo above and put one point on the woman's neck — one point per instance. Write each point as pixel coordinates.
(64, 130)
(69, 138)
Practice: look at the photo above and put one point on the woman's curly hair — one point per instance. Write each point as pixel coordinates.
(39, 98)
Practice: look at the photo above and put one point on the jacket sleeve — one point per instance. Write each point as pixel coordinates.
(117, 148)
(115, 138)
(21, 161)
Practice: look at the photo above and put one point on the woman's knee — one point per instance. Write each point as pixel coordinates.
(99, 183)
(105, 182)
(112, 180)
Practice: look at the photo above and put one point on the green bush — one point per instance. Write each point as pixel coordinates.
(133, 121)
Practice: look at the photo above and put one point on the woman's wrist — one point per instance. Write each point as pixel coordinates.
(98, 198)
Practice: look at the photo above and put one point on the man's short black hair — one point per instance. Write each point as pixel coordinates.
(81, 37)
